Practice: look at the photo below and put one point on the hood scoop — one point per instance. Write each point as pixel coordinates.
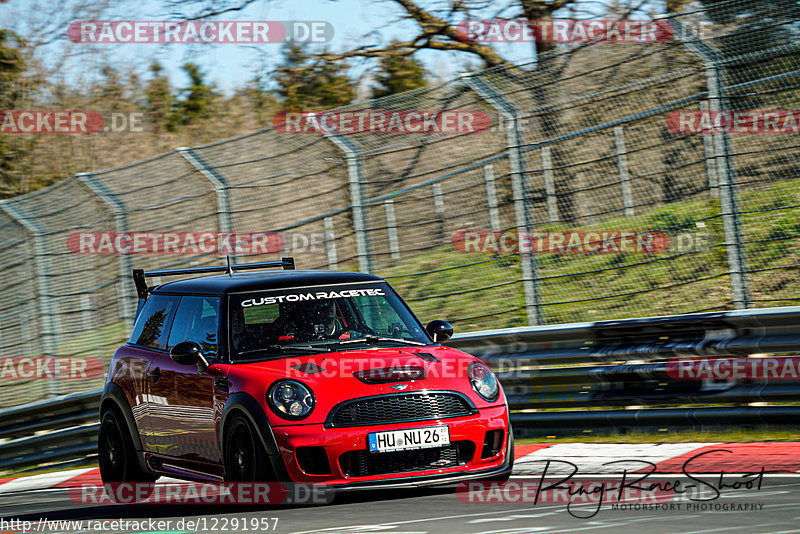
(384, 375)
(309, 368)
(427, 356)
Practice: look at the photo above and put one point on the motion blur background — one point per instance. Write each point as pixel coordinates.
(579, 141)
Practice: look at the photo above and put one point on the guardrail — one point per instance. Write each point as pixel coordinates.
(623, 363)
(55, 430)
(547, 372)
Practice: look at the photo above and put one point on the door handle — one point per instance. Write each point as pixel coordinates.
(155, 374)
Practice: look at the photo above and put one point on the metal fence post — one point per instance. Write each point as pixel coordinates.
(48, 318)
(549, 185)
(356, 200)
(24, 335)
(330, 243)
(220, 188)
(438, 200)
(515, 160)
(491, 198)
(127, 297)
(86, 312)
(391, 228)
(438, 208)
(624, 175)
(723, 167)
(708, 149)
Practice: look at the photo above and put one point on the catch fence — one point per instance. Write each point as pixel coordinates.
(582, 148)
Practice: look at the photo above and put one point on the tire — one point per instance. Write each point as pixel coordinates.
(244, 457)
(117, 456)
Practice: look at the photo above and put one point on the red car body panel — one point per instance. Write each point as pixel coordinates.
(179, 416)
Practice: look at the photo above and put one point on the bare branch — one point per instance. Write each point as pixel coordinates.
(407, 48)
(208, 12)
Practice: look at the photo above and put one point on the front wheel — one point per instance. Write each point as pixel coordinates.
(117, 457)
(244, 455)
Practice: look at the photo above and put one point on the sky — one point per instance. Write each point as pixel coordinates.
(230, 66)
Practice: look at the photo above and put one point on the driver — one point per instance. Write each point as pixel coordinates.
(309, 320)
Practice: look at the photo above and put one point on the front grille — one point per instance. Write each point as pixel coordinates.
(397, 408)
(364, 463)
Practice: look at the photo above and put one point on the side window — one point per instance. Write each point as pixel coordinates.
(154, 321)
(197, 320)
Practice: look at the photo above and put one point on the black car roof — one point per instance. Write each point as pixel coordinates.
(260, 280)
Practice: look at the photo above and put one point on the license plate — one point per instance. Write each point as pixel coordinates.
(412, 438)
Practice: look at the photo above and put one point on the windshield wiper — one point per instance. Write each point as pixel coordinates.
(284, 349)
(374, 340)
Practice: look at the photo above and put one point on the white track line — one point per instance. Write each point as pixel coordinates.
(48, 480)
(590, 457)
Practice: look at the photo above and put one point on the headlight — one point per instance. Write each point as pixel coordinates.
(290, 399)
(483, 381)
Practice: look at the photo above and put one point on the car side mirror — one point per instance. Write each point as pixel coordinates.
(440, 331)
(187, 353)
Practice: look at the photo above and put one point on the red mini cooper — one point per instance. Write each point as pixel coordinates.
(315, 377)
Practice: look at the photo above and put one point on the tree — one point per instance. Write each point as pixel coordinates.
(12, 66)
(761, 27)
(12, 92)
(160, 100)
(259, 100)
(199, 98)
(257, 94)
(110, 91)
(397, 74)
(309, 83)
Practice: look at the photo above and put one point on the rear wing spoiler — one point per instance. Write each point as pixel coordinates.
(140, 275)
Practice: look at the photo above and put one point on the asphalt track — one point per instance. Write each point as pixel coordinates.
(772, 509)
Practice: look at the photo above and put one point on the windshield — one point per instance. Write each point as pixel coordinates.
(341, 317)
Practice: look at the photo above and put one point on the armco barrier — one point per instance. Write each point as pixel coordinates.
(587, 367)
(49, 431)
(623, 363)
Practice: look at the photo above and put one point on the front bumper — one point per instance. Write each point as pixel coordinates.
(338, 442)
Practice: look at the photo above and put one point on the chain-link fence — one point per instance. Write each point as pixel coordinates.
(580, 160)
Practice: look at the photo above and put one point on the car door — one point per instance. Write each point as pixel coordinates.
(184, 423)
(149, 342)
